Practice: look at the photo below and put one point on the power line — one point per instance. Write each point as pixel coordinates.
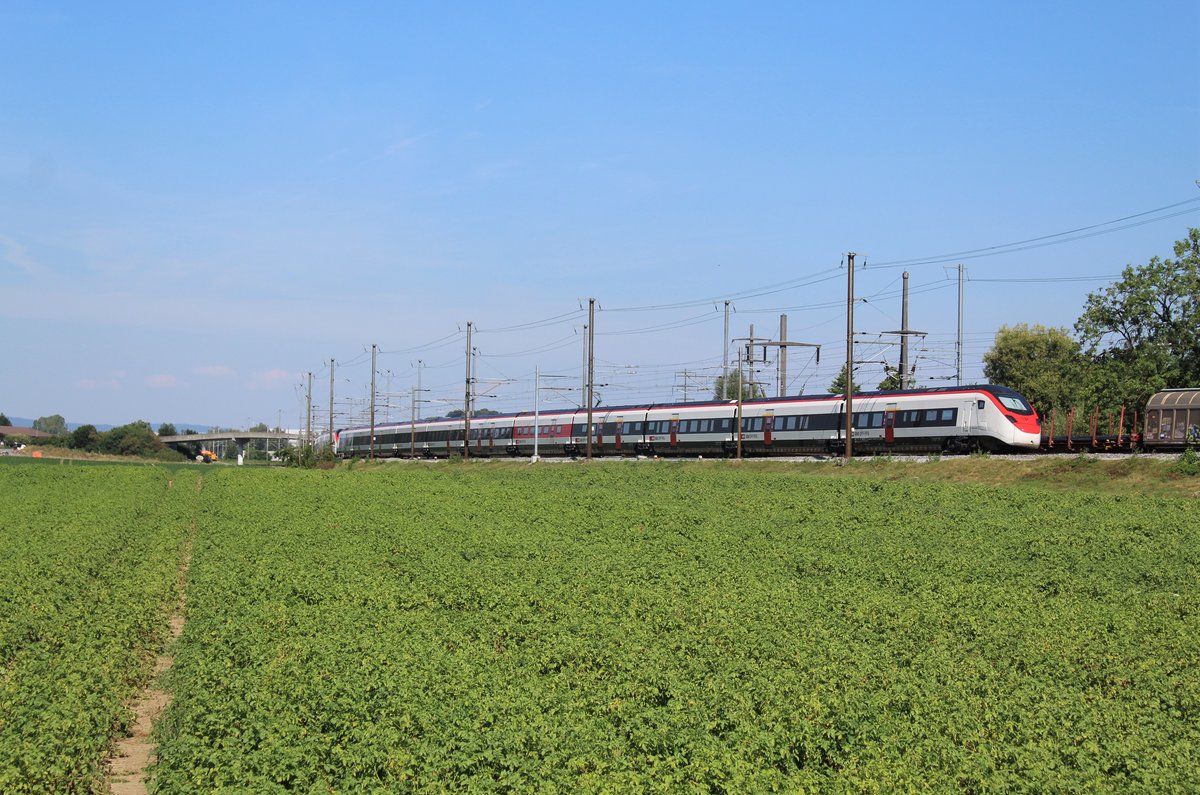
(1047, 240)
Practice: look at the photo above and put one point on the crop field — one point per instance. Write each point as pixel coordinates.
(88, 558)
(657, 627)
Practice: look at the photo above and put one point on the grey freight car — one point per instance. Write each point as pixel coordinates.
(1172, 419)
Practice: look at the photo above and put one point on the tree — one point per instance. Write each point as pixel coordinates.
(1143, 332)
(4, 420)
(891, 381)
(725, 387)
(54, 425)
(136, 438)
(167, 429)
(85, 437)
(1046, 365)
(838, 387)
(260, 428)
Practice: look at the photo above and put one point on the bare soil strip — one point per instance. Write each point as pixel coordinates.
(127, 767)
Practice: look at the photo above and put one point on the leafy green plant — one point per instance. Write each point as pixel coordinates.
(653, 627)
(1188, 463)
(88, 563)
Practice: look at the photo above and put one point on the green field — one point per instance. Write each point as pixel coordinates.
(617, 627)
(88, 558)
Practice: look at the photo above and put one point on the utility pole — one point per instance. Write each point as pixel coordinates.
(782, 345)
(725, 356)
(412, 426)
(781, 364)
(958, 346)
(308, 420)
(591, 370)
(741, 392)
(685, 375)
(849, 355)
(387, 399)
(904, 333)
(332, 364)
(371, 454)
(467, 401)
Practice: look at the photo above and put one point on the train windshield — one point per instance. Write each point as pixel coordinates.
(1013, 402)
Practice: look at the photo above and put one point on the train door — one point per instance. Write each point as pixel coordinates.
(981, 417)
(512, 448)
(644, 443)
(889, 424)
(617, 433)
(674, 427)
(768, 428)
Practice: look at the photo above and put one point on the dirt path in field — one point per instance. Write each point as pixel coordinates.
(133, 754)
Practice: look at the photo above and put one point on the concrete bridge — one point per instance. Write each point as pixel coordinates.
(239, 438)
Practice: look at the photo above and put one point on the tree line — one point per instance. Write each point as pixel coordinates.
(1135, 337)
(136, 438)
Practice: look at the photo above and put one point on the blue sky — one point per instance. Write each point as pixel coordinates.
(201, 202)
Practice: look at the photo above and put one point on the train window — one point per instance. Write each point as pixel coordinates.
(948, 416)
(981, 405)
(1013, 403)
(931, 415)
(876, 419)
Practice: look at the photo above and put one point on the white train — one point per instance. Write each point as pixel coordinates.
(948, 419)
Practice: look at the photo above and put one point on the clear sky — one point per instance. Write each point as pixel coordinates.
(202, 202)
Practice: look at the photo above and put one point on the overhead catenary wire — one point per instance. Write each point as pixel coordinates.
(1070, 235)
(653, 375)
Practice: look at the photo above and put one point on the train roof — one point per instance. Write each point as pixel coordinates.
(994, 389)
(1188, 398)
